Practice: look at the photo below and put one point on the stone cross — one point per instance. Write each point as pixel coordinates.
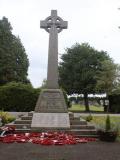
(53, 25)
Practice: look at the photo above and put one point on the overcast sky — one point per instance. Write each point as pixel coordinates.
(92, 21)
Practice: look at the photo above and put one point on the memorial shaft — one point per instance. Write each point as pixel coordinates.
(53, 25)
(52, 73)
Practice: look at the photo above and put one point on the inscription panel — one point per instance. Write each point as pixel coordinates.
(50, 120)
(51, 95)
(51, 101)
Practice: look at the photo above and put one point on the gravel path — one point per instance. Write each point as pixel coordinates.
(87, 151)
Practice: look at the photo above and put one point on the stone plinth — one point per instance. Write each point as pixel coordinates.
(51, 101)
(52, 121)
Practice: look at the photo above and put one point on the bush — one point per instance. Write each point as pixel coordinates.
(18, 97)
(6, 118)
(66, 99)
(89, 118)
(114, 103)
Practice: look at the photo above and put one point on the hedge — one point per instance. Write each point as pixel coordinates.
(114, 103)
(18, 97)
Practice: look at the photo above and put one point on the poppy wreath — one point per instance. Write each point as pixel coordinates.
(6, 128)
(44, 138)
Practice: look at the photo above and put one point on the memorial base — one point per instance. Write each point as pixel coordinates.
(51, 111)
(50, 121)
(51, 101)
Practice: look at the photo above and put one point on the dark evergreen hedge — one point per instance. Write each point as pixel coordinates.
(18, 97)
(114, 103)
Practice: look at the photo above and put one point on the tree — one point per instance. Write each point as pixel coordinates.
(78, 69)
(44, 83)
(116, 89)
(108, 77)
(13, 59)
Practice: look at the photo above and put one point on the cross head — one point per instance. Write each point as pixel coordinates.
(53, 21)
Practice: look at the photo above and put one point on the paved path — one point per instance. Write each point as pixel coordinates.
(94, 114)
(87, 151)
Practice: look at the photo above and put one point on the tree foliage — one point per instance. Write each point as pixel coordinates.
(79, 68)
(108, 77)
(44, 83)
(13, 59)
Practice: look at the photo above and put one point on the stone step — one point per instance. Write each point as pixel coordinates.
(82, 127)
(48, 130)
(79, 127)
(26, 118)
(22, 130)
(79, 136)
(30, 113)
(89, 136)
(23, 121)
(77, 122)
(82, 131)
(74, 118)
(22, 126)
(77, 133)
(9, 124)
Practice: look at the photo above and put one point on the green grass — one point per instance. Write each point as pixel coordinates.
(78, 107)
(99, 121)
(118, 138)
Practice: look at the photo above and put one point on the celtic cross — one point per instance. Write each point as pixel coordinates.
(53, 25)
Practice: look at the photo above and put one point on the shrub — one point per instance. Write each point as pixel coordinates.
(89, 118)
(18, 97)
(6, 118)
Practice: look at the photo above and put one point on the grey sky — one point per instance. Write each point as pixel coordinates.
(92, 21)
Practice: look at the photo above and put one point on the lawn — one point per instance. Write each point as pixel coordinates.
(99, 121)
(79, 108)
